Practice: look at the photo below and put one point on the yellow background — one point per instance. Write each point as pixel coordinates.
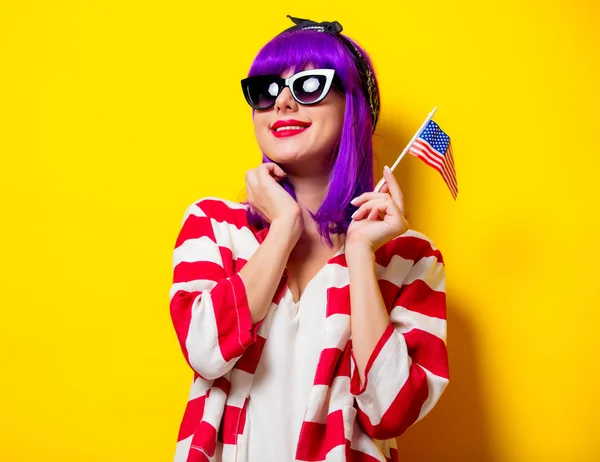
(116, 115)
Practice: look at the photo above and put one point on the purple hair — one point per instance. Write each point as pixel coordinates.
(352, 171)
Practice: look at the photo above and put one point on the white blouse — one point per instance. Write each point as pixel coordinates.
(284, 378)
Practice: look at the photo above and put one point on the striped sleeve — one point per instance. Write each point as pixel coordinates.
(209, 308)
(408, 368)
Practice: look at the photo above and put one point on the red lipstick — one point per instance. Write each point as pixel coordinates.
(288, 127)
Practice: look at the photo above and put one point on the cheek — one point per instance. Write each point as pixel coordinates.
(335, 114)
(339, 121)
(261, 128)
(334, 122)
(341, 111)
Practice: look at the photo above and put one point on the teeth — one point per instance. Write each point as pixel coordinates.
(295, 127)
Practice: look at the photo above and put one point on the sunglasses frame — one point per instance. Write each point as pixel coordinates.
(289, 82)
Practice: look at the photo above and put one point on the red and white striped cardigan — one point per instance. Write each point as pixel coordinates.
(345, 420)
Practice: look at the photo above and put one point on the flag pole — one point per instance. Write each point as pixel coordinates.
(429, 117)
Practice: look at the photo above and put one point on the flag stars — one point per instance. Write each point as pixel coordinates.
(433, 147)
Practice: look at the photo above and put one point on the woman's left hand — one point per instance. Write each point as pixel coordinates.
(380, 216)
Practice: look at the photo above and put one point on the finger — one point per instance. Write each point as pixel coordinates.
(250, 195)
(364, 197)
(274, 169)
(387, 209)
(394, 187)
(385, 188)
(364, 209)
(265, 174)
(377, 212)
(251, 177)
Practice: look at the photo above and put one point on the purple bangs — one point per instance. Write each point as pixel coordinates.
(351, 172)
(299, 48)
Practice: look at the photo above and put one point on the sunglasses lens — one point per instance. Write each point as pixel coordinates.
(262, 91)
(309, 89)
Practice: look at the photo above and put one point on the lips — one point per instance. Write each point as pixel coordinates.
(291, 127)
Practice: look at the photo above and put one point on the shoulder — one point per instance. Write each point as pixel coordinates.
(219, 210)
(412, 245)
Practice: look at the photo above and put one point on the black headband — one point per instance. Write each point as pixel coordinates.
(366, 76)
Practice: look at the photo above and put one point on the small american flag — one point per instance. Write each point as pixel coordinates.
(433, 147)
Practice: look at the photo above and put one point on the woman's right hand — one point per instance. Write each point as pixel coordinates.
(268, 197)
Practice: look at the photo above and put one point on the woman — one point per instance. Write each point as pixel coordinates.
(284, 369)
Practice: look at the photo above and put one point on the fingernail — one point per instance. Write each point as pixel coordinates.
(352, 216)
(389, 170)
(353, 201)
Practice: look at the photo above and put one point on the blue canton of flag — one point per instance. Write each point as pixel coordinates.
(433, 147)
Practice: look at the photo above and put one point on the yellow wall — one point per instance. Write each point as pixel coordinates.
(116, 115)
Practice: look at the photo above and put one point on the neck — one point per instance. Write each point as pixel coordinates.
(310, 193)
(310, 190)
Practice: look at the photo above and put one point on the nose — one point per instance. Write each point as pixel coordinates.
(285, 101)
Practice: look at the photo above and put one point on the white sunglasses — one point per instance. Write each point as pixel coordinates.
(306, 87)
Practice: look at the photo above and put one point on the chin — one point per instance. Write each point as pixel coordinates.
(286, 155)
(289, 152)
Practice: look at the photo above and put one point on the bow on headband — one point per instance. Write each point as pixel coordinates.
(366, 75)
(331, 27)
